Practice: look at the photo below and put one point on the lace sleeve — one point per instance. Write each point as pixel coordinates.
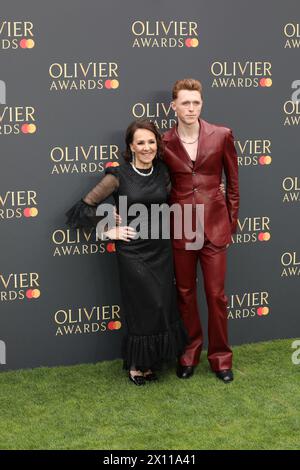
(102, 190)
(83, 213)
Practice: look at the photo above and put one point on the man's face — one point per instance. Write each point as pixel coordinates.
(188, 105)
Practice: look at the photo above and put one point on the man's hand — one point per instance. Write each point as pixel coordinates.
(117, 217)
(222, 188)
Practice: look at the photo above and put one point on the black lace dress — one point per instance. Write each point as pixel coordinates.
(154, 329)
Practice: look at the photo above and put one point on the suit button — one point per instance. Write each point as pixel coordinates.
(193, 173)
(195, 190)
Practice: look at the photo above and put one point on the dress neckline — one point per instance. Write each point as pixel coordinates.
(142, 170)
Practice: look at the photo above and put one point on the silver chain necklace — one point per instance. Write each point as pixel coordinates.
(142, 174)
(184, 142)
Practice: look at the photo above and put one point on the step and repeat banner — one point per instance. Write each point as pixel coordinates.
(73, 75)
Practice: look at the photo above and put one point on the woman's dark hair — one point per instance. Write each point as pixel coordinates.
(141, 124)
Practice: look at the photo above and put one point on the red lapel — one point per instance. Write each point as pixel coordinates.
(178, 151)
(206, 130)
(176, 148)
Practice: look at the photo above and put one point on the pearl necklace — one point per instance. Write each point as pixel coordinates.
(142, 174)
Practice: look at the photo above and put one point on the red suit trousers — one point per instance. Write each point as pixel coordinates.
(213, 264)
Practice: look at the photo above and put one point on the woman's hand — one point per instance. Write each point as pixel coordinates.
(121, 233)
(222, 188)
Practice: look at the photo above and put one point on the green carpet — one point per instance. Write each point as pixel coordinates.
(96, 407)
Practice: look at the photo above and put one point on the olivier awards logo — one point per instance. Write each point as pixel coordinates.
(17, 204)
(19, 286)
(162, 114)
(85, 320)
(79, 76)
(68, 242)
(241, 74)
(252, 230)
(253, 152)
(291, 32)
(164, 34)
(16, 35)
(17, 120)
(248, 305)
(82, 159)
(291, 108)
(290, 263)
(291, 188)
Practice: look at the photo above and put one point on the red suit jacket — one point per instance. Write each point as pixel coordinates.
(199, 183)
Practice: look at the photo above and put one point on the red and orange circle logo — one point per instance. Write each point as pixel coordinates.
(265, 160)
(264, 236)
(33, 293)
(111, 84)
(27, 43)
(191, 42)
(263, 311)
(114, 325)
(265, 82)
(28, 128)
(30, 212)
(108, 164)
(111, 247)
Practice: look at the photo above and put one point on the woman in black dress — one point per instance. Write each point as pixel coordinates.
(155, 331)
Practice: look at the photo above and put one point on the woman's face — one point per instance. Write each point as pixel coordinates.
(144, 146)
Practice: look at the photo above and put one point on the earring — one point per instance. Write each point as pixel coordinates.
(133, 157)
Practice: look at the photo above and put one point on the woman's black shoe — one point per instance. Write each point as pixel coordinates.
(137, 379)
(150, 377)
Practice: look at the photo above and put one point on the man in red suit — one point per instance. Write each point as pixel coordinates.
(197, 153)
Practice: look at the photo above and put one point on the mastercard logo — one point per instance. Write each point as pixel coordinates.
(111, 247)
(264, 236)
(265, 82)
(114, 325)
(107, 165)
(28, 128)
(263, 311)
(111, 84)
(27, 43)
(30, 212)
(33, 293)
(265, 160)
(191, 42)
